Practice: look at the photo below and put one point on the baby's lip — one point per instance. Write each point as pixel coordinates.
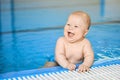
(69, 31)
(70, 34)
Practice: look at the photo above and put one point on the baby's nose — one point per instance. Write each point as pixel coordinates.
(70, 27)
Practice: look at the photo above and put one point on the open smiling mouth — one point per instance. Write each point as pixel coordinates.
(70, 34)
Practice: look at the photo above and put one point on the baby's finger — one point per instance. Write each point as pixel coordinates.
(88, 69)
(84, 70)
(80, 69)
(72, 67)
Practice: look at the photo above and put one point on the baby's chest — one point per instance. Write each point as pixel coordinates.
(74, 52)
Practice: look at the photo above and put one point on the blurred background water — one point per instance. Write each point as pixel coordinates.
(29, 30)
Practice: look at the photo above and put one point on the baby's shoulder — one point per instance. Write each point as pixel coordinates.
(86, 41)
(61, 39)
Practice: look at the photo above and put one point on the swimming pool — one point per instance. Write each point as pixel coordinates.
(30, 50)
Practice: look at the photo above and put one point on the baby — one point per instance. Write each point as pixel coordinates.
(73, 47)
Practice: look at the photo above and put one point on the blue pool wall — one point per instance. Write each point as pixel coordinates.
(23, 15)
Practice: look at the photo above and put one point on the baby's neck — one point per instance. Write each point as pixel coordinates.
(76, 42)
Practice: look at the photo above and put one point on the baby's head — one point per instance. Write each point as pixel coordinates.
(77, 26)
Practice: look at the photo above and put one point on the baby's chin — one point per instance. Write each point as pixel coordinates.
(71, 40)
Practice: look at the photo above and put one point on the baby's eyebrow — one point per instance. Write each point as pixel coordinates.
(77, 25)
(68, 24)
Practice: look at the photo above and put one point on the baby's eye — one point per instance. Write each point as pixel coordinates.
(76, 26)
(68, 24)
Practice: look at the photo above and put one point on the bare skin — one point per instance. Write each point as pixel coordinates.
(73, 47)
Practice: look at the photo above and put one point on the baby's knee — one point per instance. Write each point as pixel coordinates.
(50, 64)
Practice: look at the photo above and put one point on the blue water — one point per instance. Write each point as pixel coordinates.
(30, 50)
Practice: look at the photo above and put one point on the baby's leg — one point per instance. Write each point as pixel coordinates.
(50, 64)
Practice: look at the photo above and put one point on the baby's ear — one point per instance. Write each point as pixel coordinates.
(86, 31)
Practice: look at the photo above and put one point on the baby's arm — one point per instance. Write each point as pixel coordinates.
(88, 57)
(60, 55)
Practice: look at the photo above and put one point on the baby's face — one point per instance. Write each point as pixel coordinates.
(75, 28)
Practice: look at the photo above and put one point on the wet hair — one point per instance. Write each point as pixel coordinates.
(84, 14)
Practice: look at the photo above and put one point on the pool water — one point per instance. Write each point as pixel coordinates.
(31, 50)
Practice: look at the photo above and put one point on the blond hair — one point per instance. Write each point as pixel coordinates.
(84, 14)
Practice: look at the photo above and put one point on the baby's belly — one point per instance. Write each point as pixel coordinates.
(75, 61)
(75, 57)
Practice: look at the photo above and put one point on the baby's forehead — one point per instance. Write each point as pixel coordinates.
(80, 15)
(78, 18)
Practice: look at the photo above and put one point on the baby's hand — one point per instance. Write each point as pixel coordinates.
(83, 68)
(71, 66)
